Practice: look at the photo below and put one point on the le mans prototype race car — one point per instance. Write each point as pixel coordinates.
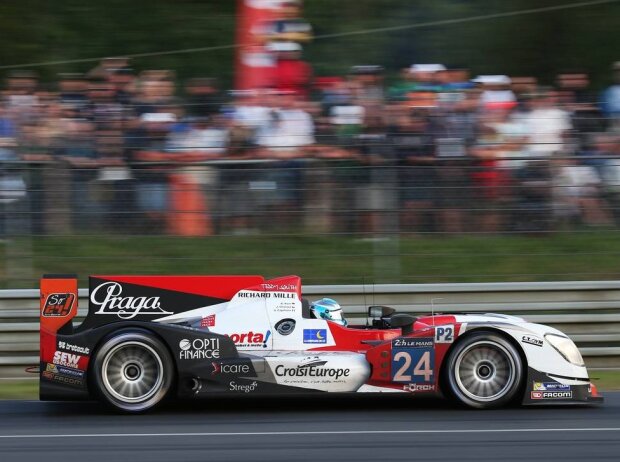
(146, 338)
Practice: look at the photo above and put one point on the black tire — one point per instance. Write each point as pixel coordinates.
(484, 371)
(133, 371)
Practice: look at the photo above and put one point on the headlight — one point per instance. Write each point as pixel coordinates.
(566, 348)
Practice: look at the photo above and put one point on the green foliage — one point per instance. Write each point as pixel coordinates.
(19, 389)
(537, 44)
(585, 255)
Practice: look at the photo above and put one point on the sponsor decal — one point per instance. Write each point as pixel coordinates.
(269, 286)
(234, 368)
(251, 339)
(315, 335)
(54, 369)
(252, 294)
(64, 375)
(199, 348)
(413, 387)
(550, 386)
(283, 295)
(70, 372)
(51, 368)
(58, 305)
(413, 360)
(444, 334)
(73, 348)
(285, 307)
(67, 380)
(551, 394)
(66, 359)
(244, 388)
(312, 367)
(285, 326)
(312, 361)
(532, 340)
(208, 321)
(108, 297)
(410, 342)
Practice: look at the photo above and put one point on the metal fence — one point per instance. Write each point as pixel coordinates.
(353, 195)
(60, 216)
(589, 311)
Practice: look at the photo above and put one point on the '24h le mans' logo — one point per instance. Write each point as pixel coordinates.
(58, 305)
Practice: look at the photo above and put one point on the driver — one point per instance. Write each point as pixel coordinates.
(328, 309)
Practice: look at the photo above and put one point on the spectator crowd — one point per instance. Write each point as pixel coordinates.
(434, 150)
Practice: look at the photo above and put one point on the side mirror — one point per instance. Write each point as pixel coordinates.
(403, 320)
(378, 311)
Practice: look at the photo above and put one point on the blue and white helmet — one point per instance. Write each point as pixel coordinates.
(328, 309)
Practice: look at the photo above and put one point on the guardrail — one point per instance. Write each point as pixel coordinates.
(589, 311)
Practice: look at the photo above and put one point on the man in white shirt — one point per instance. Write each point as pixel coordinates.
(545, 126)
(291, 128)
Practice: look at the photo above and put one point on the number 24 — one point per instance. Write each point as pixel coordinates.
(422, 368)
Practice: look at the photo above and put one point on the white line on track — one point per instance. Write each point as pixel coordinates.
(293, 433)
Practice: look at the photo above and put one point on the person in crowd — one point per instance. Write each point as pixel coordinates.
(450, 145)
(251, 113)
(546, 124)
(496, 92)
(604, 156)
(414, 150)
(291, 73)
(145, 148)
(373, 198)
(114, 181)
(575, 97)
(202, 97)
(206, 137)
(454, 127)
(490, 181)
(77, 149)
(368, 83)
(124, 84)
(21, 101)
(155, 90)
(103, 110)
(73, 91)
(610, 100)
(289, 130)
(578, 193)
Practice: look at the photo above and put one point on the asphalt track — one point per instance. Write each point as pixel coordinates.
(325, 428)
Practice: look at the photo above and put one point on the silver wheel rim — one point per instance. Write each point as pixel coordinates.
(485, 371)
(132, 372)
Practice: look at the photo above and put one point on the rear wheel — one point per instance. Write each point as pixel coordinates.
(133, 371)
(484, 370)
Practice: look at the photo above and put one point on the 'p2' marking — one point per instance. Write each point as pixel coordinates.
(444, 334)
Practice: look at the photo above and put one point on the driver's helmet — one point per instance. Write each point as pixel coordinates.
(328, 309)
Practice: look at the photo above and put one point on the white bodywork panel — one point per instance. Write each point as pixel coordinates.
(543, 358)
(251, 316)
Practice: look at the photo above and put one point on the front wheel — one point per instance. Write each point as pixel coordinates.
(133, 371)
(484, 371)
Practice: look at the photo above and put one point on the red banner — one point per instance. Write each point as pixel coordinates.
(254, 63)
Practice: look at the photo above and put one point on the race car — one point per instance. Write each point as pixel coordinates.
(147, 338)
